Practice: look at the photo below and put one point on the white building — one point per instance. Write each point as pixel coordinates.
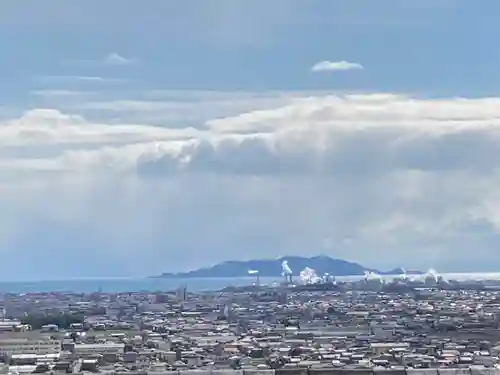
(26, 346)
(104, 348)
(8, 325)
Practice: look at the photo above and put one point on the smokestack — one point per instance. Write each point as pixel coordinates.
(256, 273)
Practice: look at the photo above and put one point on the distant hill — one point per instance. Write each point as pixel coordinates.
(272, 268)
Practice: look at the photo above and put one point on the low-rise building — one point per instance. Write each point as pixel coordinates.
(11, 346)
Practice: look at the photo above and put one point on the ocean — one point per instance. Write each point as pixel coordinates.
(116, 285)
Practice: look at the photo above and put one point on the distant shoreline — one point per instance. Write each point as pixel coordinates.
(194, 284)
(277, 277)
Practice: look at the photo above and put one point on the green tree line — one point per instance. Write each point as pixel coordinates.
(37, 321)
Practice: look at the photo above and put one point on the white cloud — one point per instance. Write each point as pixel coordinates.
(70, 78)
(60, 93)
(77, 79)
(409, 181)
(114, 59)
(174, 108)
(332, 66)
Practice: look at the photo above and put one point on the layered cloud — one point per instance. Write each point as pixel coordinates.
(383, 179)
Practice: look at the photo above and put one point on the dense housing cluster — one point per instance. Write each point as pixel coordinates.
(256, 330)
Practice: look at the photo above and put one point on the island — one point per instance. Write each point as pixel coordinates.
(273, 268)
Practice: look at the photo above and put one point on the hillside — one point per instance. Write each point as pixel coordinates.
(272, 267)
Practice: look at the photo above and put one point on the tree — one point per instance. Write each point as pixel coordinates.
(37, 321)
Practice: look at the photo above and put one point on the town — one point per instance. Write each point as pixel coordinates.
(254, 330)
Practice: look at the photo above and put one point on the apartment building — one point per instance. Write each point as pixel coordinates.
(12, 346)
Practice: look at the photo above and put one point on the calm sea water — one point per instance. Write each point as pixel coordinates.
(112, 285)
(145, 284)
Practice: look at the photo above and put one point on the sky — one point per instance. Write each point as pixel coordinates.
(170, 135)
